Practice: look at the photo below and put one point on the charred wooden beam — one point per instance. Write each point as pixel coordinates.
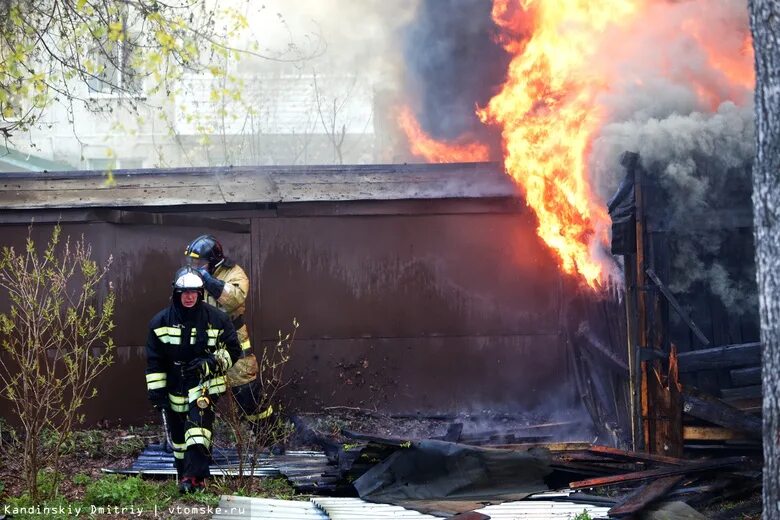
(635, 456)
(578, 456)
(695, 467)
(752, 405)
(708, 408)
(623, 208)
(720, 357)
(743, 392)
(644, 496)
(712, 433)
(746, 376)
(668, 412)
(385, 441)
(552, 446)
(585, 333)
(677, 307)
(579, 470)
(660, 410)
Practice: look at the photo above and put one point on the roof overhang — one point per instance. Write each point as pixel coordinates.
(255, 184)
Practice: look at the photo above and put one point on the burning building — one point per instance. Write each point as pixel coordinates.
(410, 298)
(444, 288)
(586, 82)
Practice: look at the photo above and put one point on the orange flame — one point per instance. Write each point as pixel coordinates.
(547, 110)
(568, 56)
(728, 54)
(422, 145)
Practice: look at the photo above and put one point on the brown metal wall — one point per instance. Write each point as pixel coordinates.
(408, 306)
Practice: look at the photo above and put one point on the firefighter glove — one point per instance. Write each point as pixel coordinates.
(213, 285)
(159, 398)
(202, 367)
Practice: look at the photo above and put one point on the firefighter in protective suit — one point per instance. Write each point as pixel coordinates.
(227, 287)
(190, 347)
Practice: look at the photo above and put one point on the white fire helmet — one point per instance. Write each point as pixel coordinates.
(187, 279)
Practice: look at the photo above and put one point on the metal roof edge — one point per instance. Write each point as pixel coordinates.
(252, 185)
(323, 169)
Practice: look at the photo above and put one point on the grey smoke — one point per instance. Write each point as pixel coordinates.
(702, 162)
(700, 154)
(453, 64)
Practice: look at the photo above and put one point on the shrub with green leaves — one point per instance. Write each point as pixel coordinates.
(55, 342)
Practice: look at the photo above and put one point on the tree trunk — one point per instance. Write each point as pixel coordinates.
(765, 24)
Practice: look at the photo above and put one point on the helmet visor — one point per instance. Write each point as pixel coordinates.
(197, 263)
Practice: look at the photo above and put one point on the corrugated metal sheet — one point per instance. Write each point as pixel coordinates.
(257, 184)
(155, 461)
(542, 510)
(244, 508)
(356, 509)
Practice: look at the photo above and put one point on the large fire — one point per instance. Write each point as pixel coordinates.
(569, 54)
(422, 145)
(548, 115)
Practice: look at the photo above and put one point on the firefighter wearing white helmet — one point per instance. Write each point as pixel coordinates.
(227, 287)
(190, 347)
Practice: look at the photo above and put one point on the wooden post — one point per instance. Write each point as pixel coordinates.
(637, 440)
(660, 401)
(642, 336)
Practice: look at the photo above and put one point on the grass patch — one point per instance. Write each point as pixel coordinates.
(87, 443)
(276, 488)
(113, 490)
(279, 488)
(80, 479)
(127, 446)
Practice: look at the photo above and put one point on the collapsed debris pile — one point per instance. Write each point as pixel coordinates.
(630, 482)
(456, 473)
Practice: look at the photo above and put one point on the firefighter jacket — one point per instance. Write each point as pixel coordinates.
(233, 302)
(233, 298)
(174, 341)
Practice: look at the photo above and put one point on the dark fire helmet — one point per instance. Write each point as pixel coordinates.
(208, 248)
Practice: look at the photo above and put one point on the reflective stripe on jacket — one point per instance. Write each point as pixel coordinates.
(171, 344)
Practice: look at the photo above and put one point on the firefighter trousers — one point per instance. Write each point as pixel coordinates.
(191, 438)
(249, 399)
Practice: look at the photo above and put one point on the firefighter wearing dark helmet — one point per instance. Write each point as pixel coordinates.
(227, 287)
(189, 349)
